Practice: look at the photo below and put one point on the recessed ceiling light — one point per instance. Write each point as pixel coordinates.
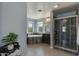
(56, 6)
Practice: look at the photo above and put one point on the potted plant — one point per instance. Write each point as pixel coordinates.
(9, 39)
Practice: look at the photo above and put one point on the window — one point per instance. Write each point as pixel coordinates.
(30, 26)
(40, 26)
(37, 26)
(47, 28)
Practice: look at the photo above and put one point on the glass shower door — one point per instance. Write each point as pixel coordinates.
(71, 33)
(65, 33)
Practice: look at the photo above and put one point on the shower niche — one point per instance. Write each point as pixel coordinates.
(65, 30)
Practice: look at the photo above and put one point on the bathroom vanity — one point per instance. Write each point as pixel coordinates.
(38, 38)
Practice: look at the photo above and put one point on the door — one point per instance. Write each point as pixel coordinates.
(65, 33)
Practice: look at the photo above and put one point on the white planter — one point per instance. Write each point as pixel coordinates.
(10, 47)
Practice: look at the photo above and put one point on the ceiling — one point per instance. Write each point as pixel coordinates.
(46, 7)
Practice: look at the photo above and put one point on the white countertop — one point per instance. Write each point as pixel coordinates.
(34, 35)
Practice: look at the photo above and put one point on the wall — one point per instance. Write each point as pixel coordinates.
(0, 24)
(78, 27)
(78, 36)
(12, 19)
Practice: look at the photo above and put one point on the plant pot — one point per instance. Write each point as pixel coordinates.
(10, 46)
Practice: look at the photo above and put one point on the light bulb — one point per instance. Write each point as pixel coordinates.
(56, 6)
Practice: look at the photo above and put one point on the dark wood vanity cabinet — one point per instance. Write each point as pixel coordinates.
(46, 38)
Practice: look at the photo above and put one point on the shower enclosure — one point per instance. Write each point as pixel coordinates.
(65, 29)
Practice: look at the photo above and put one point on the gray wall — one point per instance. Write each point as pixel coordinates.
(78, 36)
(13, 15)
(0, 23)
(78, 27)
